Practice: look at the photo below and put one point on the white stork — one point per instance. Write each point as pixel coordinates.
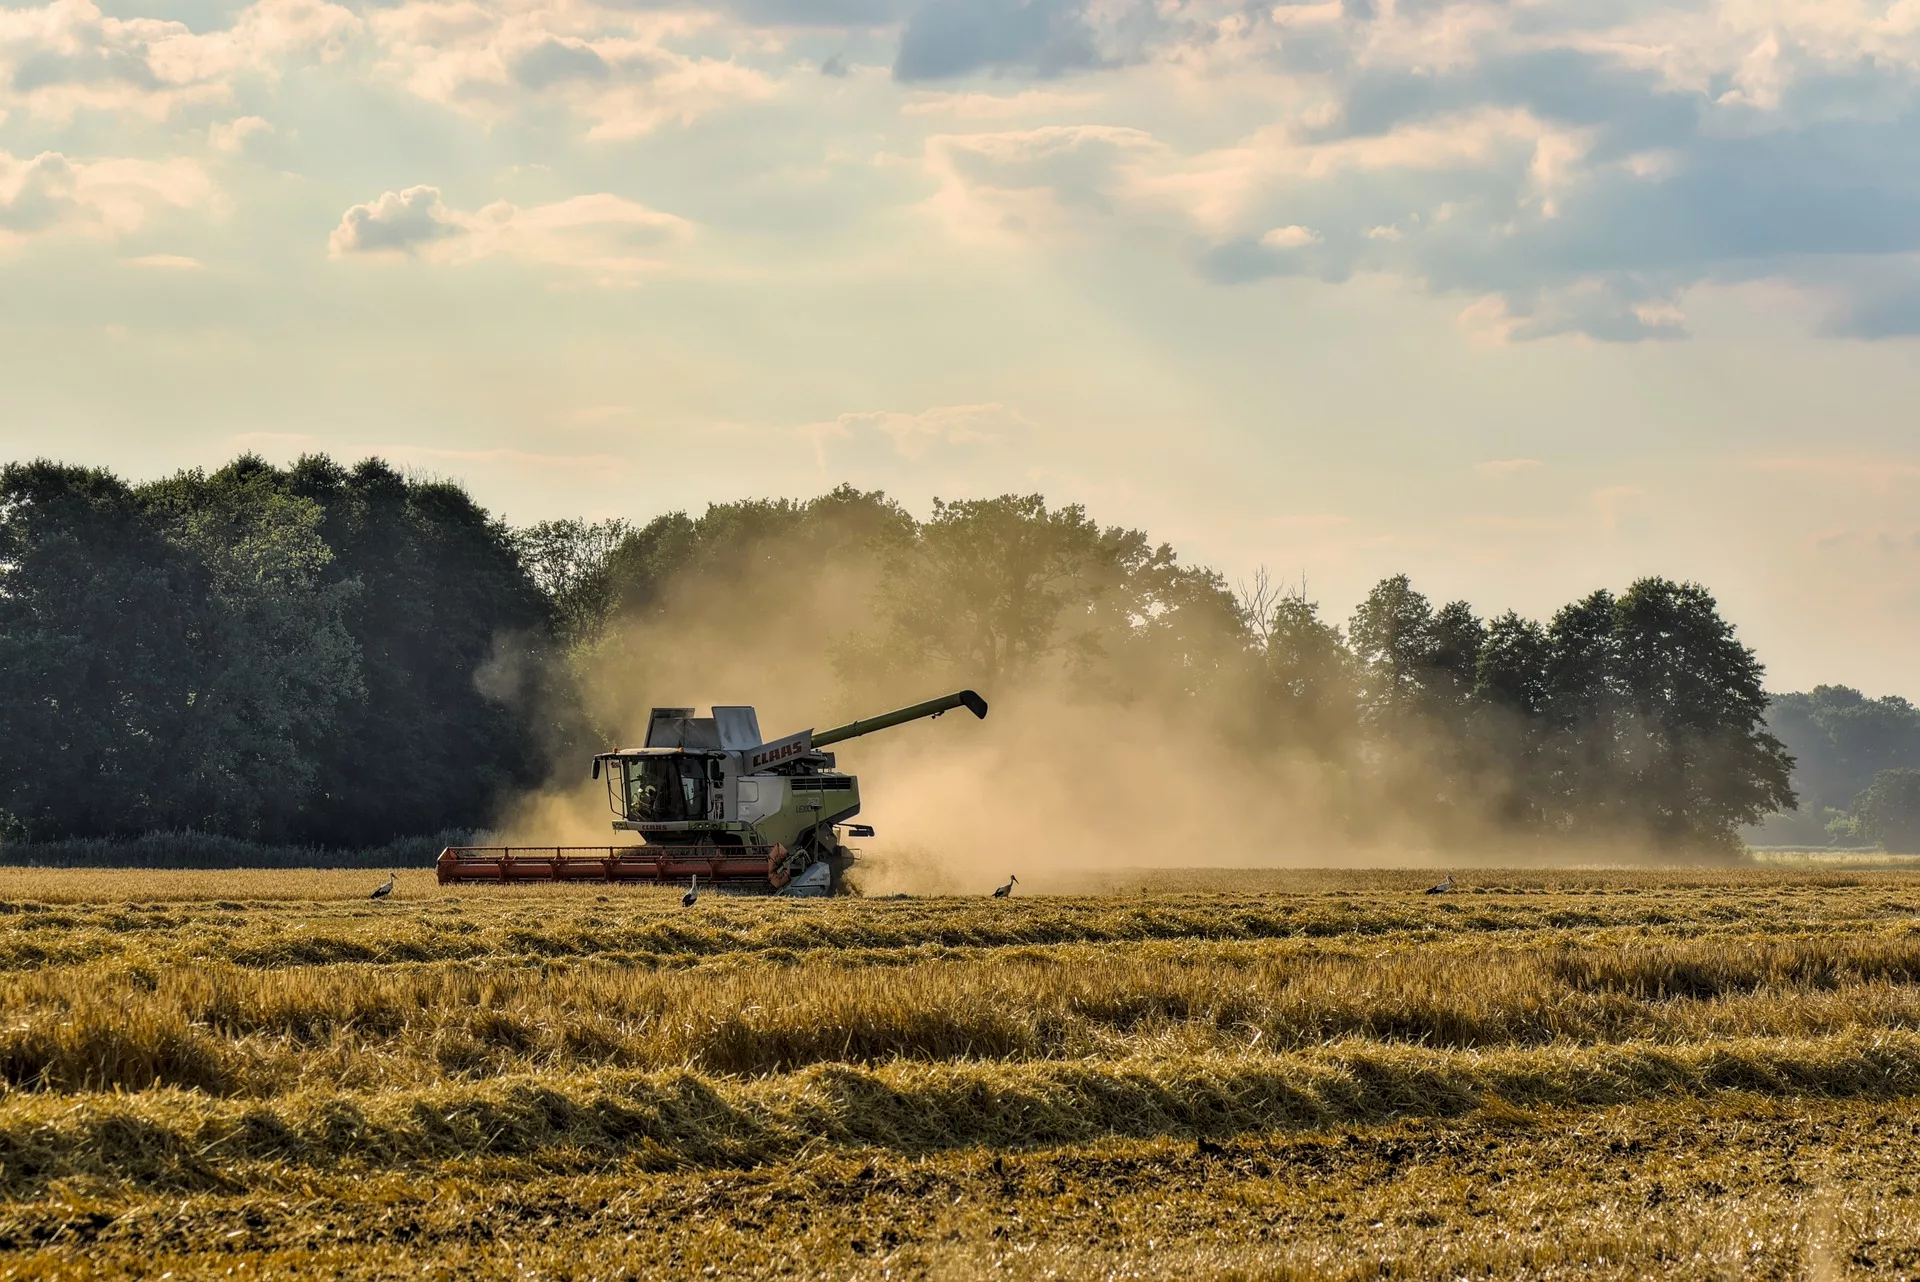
(382, 891)
(1444, 886)
(1006, 890)
(693, 892)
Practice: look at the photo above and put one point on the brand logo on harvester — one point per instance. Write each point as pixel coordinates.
(768, 754)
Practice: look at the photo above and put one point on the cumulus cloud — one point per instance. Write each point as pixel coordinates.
(600, 234)
(620, 67)
(399, 221)
(232, 135)
(1573, 174)
(1290, 237)
(69, 56)
(624, 70)
(1047, 180)
(52, 194)
(1555, 169)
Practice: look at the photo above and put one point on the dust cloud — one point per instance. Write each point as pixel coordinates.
(1066, 780)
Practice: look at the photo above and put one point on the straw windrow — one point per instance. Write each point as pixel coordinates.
(604, 1084)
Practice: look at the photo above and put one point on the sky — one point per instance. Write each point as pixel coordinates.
(1522, 299)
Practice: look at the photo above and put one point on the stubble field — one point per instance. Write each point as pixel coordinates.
(1275, 1074)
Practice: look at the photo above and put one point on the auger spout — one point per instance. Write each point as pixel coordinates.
(931, 708)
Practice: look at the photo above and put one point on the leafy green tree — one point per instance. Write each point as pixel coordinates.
(1453, 658)
(172, 656)
(989, 587)
(645, 562)
(761, 556)
(272, 662)
(1888, 810)
(1174, 635)
(444, 607)
(1839, 740)
(95, 652)
(1695, 757)
(1312, 681)
(568, 562)
(1511, 671)
(1509, 728)
(1421, 668)
(1392, 636)
(1583, 698)
(344, 656)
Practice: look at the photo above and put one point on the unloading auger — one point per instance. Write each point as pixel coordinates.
(710, 798)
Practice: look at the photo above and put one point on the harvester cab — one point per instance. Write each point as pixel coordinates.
(708, 796)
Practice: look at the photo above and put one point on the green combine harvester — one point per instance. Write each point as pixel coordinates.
(711, 800)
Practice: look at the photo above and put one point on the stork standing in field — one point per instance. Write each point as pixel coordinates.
(1445, 885)
(382, 891)
(693, 892)
(1006, 890)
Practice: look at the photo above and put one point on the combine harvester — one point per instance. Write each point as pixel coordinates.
(710, 799)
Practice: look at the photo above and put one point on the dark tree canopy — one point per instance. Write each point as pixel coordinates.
(95, 654)
(289, 655)
(346, 655)
(1889, 810)
(442, 595)
(1840, 740)
(1699, 760)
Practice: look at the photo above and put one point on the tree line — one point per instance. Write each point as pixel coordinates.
(344, 656)
(1857, 769)
(1636, 717)
(281, 655)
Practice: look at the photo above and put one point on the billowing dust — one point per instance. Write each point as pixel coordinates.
(1058, 786)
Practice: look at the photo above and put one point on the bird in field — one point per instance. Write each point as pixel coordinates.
(693, 892)
(1445, 885)
(382, 891)
(1007, 889)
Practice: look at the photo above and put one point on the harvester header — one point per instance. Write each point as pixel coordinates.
(710, 798)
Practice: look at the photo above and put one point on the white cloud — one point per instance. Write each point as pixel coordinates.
(232, 135)
(68, 56)
(617, 68)
(398, 222)
(52, 194)
(1577, 170)
(973, 105)
(1290, 237)
(602, 234)
(1035, 176)
(1557, 169)
(1039, 180)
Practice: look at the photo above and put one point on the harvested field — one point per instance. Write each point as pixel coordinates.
(1696, 1073)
